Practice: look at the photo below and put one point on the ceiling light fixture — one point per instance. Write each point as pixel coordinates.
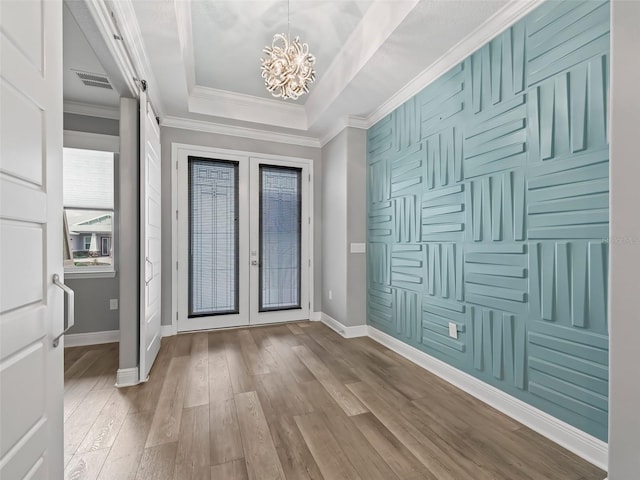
(288, 67)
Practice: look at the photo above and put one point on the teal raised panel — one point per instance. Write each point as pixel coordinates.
(488, 207)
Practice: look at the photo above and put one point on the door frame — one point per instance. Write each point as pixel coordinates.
(181, 152)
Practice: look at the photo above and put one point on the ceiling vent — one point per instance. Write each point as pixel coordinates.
(94, 79)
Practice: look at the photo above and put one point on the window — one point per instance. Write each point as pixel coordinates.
(88, 178)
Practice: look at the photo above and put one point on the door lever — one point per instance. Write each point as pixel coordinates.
(70, 295)
(254, 262)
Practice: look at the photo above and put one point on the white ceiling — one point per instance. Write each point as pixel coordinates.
(201, 58)
(228, 37)
(79, 56)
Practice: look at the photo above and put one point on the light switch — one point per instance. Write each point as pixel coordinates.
(113, 304)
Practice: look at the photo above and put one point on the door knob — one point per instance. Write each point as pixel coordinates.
(254, 262)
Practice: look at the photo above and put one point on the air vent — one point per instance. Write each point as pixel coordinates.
(94, 79)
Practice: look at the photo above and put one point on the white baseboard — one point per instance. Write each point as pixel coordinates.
(168, 330)
(92, 338)
(315, 316)
(127, 377)
(345, 331)
(582, 444)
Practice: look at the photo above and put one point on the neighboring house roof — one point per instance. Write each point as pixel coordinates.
(89, 222)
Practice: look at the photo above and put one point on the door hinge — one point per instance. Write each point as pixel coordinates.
(176, 214)
(176, 265)
(309, 262)
(309, 220)
(176, 315)
(176, 165)
(309, 177)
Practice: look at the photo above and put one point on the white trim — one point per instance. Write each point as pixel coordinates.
(339, 126)
(345, 331)
(168, 330)
(504, 18)
(91, 338)
(90, 110)
(315, 316)
(234, 131)
(127, 377)
(91, 141)
(582, 444)
(248, 108)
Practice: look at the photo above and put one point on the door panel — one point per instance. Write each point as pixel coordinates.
(150, 233)
(31, 308)
(279, 286)
(279, 213)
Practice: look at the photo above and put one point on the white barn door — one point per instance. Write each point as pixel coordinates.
(150, 218)
(31, 306)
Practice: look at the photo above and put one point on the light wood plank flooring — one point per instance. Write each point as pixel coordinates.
(292, 402)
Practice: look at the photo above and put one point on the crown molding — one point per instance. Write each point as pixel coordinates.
(503, 19)
(90, 110)
(235, 131)
(340, 125)
(248, 108)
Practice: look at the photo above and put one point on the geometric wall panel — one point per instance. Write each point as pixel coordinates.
(499, 344)
(407, 219)
(407, 313)
(563, 34)
(443, 214)
(488, 207)
(444, 158)
(568, 283)
(570, 369)
(569, 198)
(496, 139)
(444, 278)
(406, 171)
(407, 267)
(495, 207)
(495, 276)
(378, 264)
(380, 221)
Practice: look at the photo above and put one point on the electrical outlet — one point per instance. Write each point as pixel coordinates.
(113, 304)
(453, 330)
(330, 295)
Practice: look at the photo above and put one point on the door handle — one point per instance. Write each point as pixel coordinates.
(70, 296)
(147, 282)
(254, 262)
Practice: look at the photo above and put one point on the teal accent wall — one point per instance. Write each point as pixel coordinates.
(488, 206)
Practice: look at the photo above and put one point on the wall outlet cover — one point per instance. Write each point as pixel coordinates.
(453, 330)
(113, 304)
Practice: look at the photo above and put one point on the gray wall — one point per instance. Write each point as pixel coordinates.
(85, 123)
(624, 327)
(344, 221)
(92, 295)
(356, 226)
(129, 244)
(175, 135)
(334, 232)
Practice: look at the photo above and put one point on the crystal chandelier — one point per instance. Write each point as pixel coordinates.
(288, 67)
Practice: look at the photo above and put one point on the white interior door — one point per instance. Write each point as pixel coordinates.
(31, 306)
(150, 232)
(224, 280)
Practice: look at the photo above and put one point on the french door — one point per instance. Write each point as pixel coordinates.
(243, 240)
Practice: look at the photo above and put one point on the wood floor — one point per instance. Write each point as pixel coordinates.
(293, 402)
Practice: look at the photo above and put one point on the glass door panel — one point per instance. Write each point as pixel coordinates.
(213, 237)
(279, 238)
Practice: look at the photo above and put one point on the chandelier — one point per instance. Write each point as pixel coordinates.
(288, 67)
